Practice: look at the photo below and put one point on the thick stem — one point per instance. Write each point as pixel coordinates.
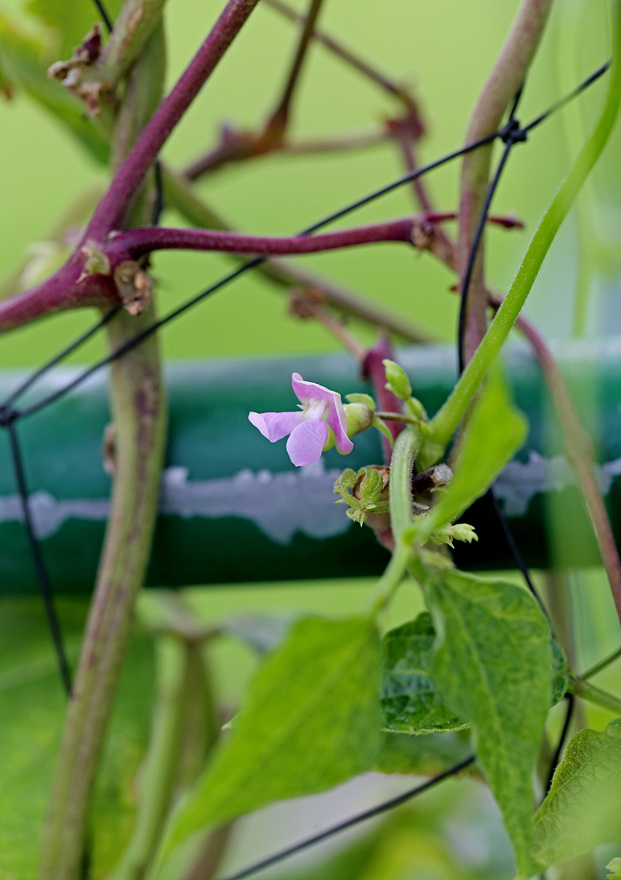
(139, 413)
(499, 91)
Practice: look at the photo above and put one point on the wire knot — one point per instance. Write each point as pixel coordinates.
(8, 415)
(513, 133)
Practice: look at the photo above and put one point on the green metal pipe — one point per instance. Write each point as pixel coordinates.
(234, 509)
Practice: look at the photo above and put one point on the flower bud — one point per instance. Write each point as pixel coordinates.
(358, 418)
(397, 380)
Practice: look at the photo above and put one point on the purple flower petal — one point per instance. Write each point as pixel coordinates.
(334, 413)
(306, 391)
(275, 426)
(306, 442)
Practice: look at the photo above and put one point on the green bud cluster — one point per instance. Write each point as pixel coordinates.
(368, 498)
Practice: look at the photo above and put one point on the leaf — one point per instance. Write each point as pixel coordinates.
(311, 721)
(421, 755)
(494, 432)
(583, 807)
(32, 709)
(409, 701)
(492, 663)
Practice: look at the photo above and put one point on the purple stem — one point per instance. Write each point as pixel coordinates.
(66, 289)
(110, 210)
(135, 242)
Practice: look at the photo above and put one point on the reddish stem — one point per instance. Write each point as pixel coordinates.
(135, 242)
(111, 208)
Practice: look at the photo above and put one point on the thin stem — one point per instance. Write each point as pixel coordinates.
(136, 242)
(502, 85)
(308, 307)
(603, 664)
(279, 119)
(595, 695)
(401, 470)
(353, 60)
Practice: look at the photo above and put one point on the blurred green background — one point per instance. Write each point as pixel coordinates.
(445, 49)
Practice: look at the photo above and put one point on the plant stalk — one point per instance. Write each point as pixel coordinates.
(499, 91)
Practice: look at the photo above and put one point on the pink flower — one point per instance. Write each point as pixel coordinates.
(320, 425)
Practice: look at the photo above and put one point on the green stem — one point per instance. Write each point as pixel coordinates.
(447, 420)
(158, 773)
(497, 95)
(139, 411)
(401, 469)
(597, 696)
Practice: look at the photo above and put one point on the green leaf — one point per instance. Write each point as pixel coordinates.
(614, 869)
(310, 722)
(583, 807)
(32, 709)
(492, 663)
(409, 700)
(422, 755)
(494, 433)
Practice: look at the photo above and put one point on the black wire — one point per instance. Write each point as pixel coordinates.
(562, 101)
(349, 823)
(61, 356)
(559, 748)
(515, 552)
(104, 15)
(37, 557)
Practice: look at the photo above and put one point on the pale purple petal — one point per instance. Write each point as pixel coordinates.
(275, 426)
(337, 421)
(334, 413)
(305, 391)
(306, 442)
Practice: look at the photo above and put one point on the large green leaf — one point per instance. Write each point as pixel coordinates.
(494, 432)
(32, 708)
(310, 722)
(409, 700)
(583, 806)
(493, 665)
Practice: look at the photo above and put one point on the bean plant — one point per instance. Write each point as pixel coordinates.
(477, 682)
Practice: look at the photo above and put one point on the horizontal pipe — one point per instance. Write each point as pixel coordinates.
(234, 509)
